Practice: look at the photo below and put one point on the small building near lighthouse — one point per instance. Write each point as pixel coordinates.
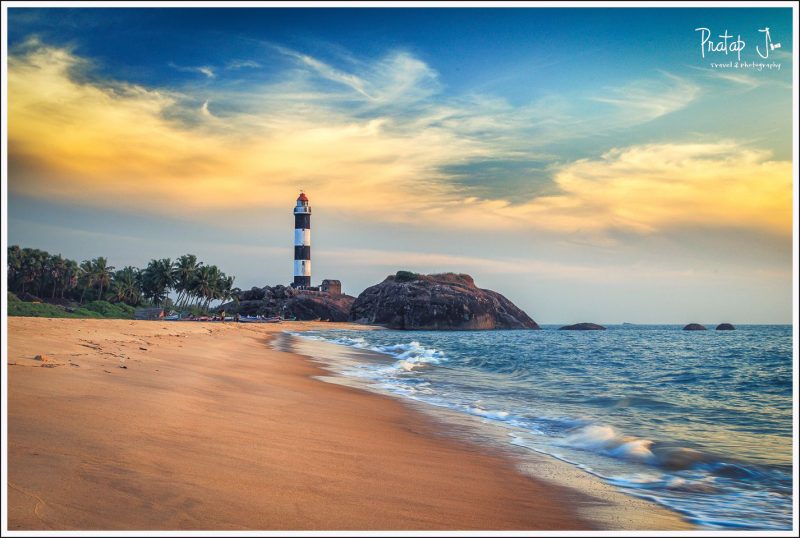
(331, 287)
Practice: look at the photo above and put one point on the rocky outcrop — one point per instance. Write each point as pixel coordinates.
(437, 302)
(322, 307)
(289, 302)
(725, 327)
(694, 327)
(583, 327)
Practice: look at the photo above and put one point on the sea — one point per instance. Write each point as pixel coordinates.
(697, 421)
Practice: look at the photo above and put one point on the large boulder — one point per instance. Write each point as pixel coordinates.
(322, 307)
(289, 302)
(725, 327)
(436, 302)
(583, 327)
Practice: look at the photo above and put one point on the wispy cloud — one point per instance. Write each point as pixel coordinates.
(398, 79)
(204, 110)
(242, 64)
(645, 100)
(743, 80)
(206, 70)
(326, 71)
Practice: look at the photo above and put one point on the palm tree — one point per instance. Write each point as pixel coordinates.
(225, 286)
(57, 269)
(71, 273)
(235, 294)
(86, 276)
(127, 287)
(204, 284)
(216, 281)
(14, 266)
(157, 280)
(32, 267)
(192, 295)
(182, 273)
(103, 273)
(40, 265)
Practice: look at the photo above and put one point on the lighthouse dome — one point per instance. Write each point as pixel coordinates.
(302, 197)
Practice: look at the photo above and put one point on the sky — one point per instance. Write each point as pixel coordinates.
(597, 164)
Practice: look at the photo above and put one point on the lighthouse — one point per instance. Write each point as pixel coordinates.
(302, 243)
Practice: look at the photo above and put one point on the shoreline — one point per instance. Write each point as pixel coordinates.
(156, 425)
(601, 504)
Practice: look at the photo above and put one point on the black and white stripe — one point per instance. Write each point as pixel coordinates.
(302, 243)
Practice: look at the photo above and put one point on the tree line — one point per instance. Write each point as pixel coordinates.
(44, 275)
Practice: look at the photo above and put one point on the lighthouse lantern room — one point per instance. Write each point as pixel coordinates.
(302, 243)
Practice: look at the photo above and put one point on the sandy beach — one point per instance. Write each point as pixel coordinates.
(165, 425)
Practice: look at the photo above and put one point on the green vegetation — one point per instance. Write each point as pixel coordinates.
(406, 276)
(108, 310)
(44, 310)
(46, 285)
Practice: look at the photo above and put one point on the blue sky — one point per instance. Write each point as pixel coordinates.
(572, 159)
(519, 54)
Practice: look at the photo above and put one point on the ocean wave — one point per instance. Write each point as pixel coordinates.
(357, 342)
(410, 355)
(608, 440)
(666, 482)
(485, 413)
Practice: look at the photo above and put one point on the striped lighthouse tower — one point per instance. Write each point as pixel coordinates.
(302, 243)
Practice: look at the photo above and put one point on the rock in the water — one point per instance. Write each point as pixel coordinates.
(436, 302)
(725, 327)
(583, 327)
(694, 327)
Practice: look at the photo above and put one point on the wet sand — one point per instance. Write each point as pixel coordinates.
(169, 425)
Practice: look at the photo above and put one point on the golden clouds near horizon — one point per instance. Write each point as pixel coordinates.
(651, 187)
(121, 146)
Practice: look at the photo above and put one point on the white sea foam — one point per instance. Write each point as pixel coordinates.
(357, 342)
(608, 440)
(411, 355)
(496, 415)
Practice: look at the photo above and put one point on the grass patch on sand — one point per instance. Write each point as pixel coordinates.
(94, 309)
